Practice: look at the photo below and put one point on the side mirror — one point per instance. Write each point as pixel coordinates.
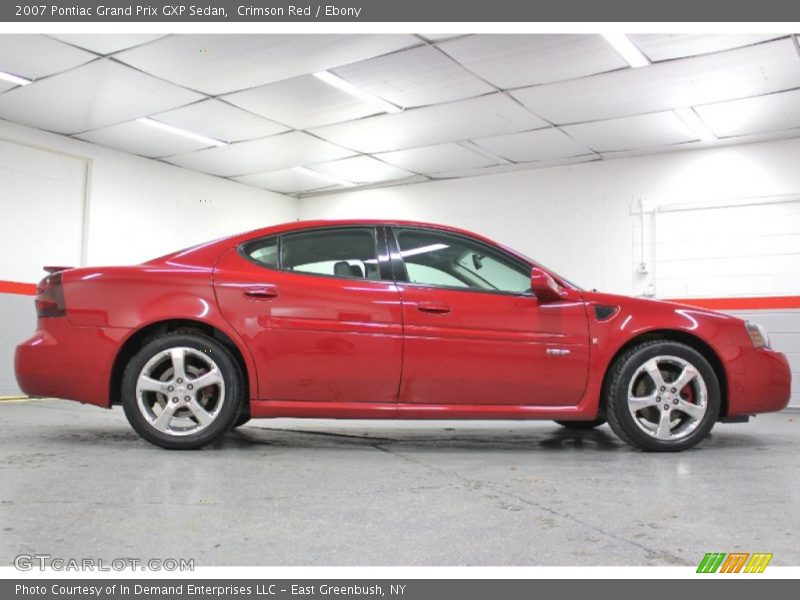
(545, 287)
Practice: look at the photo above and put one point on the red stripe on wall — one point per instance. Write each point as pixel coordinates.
(757, 303)
(15, 287)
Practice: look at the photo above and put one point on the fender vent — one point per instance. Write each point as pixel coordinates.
(603, 312)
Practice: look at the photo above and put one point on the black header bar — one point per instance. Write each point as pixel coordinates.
(370, 11)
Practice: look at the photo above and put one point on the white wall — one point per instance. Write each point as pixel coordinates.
(584, 222)
(137, 208)
(42, 197)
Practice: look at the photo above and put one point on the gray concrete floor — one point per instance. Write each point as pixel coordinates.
(76, 481)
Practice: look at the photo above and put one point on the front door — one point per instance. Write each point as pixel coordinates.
(475, 334)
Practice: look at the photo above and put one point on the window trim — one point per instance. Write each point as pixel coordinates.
(241, 250)
(381, 253)
(401, 273)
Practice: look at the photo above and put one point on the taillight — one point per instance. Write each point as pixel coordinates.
(50, 297)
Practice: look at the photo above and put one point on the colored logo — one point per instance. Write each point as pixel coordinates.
(735, 562)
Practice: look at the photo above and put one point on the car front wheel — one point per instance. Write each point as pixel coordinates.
(663, 396)
(182, 391)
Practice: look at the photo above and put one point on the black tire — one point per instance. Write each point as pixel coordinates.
(670, 357)
(244, 417)
(582, 425)
(221, 399)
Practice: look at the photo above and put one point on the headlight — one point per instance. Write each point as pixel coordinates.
(758, 335)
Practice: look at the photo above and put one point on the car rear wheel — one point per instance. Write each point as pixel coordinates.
(182, 391)
(663, 396)
(582, 425)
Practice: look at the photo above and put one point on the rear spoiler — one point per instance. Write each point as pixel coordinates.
(50, 269)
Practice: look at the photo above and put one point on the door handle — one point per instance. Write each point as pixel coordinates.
(435, 308)
(262, 293)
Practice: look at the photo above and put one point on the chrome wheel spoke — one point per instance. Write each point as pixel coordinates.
(663, 431)
(200, 413)
(638, 403)
(686, 376)
(178, 363)
(148, 384)
(165, 418)
(651, 367)
(692, 410)
(213, 377)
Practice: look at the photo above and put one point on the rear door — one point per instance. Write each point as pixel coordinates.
(475, 334)
(320, 314)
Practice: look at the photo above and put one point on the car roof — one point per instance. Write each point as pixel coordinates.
(208, 252)
(312, 224)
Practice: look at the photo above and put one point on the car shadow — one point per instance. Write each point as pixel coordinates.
(466, 439)
(448, 439)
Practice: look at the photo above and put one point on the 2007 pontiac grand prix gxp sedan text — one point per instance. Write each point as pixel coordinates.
(386, 320)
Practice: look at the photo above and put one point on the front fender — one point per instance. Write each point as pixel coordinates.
(634, 318)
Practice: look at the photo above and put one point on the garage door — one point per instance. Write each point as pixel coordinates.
(745, 250)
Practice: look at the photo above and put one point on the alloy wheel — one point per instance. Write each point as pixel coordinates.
(667, 397)
(180, 391)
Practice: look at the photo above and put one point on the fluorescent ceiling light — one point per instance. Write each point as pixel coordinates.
(14, 78)
(626, 49)
(181, 132)
(695, 124)
(323, 176)
(356, 92)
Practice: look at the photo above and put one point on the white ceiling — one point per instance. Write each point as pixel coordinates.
(417, 77)
(302, 103)
(632, 133)
(218, 64)
(471, 104)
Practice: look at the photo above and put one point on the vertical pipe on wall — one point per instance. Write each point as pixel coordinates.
(87, 194)
(654, 277)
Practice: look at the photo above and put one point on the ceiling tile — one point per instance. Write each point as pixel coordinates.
(361, 169)
(478, 117)
(35, 56)
(750, 71)
(302, 103)
(221, 63)
(415, 77)
(511, 61)
(439, 37)
(631, 133)
(700, 145)
(434, 159)
(220, 121)
(105, 43)
(257, 156)
(542, 144)
(774, 112)
(138, 138)
(285, 181)
(512, 167)
(668, 46)
(96, 95)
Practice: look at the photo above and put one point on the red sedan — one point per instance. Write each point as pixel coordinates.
(386, 320)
